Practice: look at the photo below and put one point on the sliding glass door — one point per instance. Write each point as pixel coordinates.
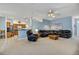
(77, 25)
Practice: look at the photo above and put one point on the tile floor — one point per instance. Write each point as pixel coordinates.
(44, 46)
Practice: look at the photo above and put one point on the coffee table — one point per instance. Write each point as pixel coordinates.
(53, 37)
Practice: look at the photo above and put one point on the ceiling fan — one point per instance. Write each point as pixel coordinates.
(52, 13)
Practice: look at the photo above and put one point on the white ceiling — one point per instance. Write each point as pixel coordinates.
(38, 9)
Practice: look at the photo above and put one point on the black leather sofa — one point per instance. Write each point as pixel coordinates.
(65, 33)
(31, 37)
(61, 33)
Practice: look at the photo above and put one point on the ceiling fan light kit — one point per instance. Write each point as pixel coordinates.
(51, 13)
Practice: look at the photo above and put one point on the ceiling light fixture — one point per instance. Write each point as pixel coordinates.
(51, 13)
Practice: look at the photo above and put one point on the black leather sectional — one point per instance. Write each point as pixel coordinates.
(61, 33)
(31, 37)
